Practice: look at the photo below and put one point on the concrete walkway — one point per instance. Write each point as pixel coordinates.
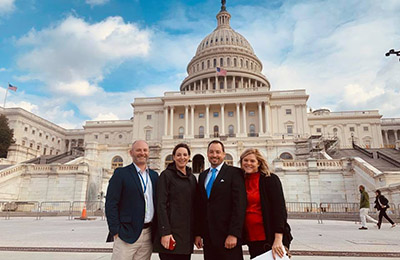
(68, 236)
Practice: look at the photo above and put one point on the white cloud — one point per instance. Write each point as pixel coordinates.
(108, 116)
(2, 69)
(73, 56)
(25, 105)
(96, 2)
(7, 6)
(333, 49)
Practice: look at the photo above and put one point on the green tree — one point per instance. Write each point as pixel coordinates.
(6, 136)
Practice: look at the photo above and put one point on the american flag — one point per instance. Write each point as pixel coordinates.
(221, 72)
(11, 87)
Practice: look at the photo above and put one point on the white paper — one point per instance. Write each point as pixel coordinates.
(268, 256)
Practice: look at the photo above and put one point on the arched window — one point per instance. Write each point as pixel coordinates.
(215, 63)
(208, 64)
(116, 162)
(247, 64)
(286, 156)
(221, 62)
(201, 132)
(216, 131)
(241, 63)
(202, 65)
(231, 131)
(234, 62)
(228, 62)
(181, 131)
(228, 159)
(168, 160)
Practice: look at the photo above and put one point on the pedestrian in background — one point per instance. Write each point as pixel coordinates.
(382, 204)
(364, 208)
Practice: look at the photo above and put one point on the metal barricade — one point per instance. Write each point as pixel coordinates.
(339, 207)
(303, 210)
(302, 207)
(93, 208)
(340, 210)
(19, 208)
(55, 208)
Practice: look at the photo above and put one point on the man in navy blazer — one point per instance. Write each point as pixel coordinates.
(130, 206)
(221, 207)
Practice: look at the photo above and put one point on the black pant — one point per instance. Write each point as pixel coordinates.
(382, 213)
(212, 252)
(257, 248)
(164, 256)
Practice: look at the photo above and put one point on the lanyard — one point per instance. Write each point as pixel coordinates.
(144, 184)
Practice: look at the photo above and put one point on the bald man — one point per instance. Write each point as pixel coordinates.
(130, 206)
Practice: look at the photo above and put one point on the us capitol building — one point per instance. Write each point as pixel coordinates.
(320, 156)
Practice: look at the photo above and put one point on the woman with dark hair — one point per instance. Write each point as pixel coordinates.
(382, 204)
(175, 207)
(266, 226)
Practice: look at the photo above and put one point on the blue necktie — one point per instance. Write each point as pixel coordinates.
(210, 182)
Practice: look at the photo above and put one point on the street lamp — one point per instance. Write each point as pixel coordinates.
(392, 51)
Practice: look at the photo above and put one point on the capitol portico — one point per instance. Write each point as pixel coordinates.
(319, 155)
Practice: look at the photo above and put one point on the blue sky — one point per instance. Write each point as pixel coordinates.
(77, 60)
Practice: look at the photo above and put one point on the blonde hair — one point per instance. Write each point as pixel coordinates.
(263, 168)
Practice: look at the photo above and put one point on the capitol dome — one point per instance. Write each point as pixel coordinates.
(224, 61)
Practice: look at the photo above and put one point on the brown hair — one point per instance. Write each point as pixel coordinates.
(263, 168)
(216, 142)
(181, 145)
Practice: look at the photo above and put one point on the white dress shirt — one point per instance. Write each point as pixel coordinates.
(145, 181)
(208, 177)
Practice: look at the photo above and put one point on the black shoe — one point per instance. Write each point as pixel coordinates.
(379, 225)
(362, 228)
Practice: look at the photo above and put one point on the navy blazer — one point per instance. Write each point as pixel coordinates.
(224, 212)
(125, 206)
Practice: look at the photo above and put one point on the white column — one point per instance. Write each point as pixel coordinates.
(244, 119)
(192, 121)
(233, 83)
(241, 82)
(386, 138)
(225, 83)
(208, 84)
(222, 119)
(171, 130)
(297, 121)
(194, 86)
(238, 118)
(249, 83)
(216, 83)
(186, 121)
(395, 135)
(165, 121)
(207, 121)
(260, 121)
(267, 118)
(201, 85)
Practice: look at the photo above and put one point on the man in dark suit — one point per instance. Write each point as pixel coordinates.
(130, 206)
(221, 207)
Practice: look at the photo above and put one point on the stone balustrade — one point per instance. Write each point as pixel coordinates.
(300, 165)
(47, 168)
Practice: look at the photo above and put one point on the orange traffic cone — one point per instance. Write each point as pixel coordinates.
(84, 213)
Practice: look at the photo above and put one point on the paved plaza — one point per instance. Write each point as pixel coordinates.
(88, 237)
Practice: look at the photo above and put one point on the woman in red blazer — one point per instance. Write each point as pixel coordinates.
(266, 224)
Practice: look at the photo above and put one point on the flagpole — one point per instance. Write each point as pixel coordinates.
(5, 97)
